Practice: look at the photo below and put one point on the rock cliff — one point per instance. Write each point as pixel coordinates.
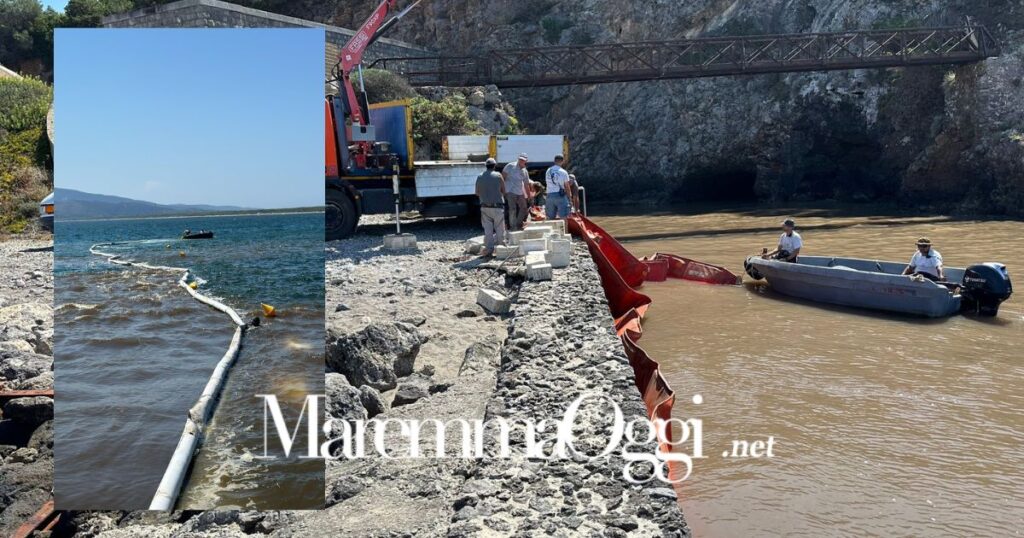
(944, 138)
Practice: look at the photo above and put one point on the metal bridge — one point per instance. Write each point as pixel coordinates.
(701, 57)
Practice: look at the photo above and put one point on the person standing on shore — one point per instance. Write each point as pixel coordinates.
(490, 190)
(516, 179)
(557, 205)
(574, 195)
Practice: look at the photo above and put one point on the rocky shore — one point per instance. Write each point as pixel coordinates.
(26, 363)
(446, 359)
(406, 340)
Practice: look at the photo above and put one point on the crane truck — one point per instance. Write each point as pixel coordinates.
(369, 162)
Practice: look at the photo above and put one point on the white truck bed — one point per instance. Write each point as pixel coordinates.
(446, 178)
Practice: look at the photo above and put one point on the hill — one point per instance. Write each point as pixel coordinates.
(73, 204)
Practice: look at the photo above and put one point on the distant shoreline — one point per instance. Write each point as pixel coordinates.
(248, 213)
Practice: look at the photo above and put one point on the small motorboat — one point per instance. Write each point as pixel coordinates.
(880, 285)
(201, 234)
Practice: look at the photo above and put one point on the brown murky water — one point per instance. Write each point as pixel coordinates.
(883, 425)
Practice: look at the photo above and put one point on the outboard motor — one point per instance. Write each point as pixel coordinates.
(984, 288)
(751, 270)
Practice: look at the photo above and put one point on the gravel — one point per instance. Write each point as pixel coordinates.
(26, 363)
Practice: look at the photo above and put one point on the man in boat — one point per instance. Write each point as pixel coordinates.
(926, 262)
(789, 245)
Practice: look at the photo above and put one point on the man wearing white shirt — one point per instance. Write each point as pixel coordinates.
(926, 262)
(516, 180)
(790, 244)
(557, 204)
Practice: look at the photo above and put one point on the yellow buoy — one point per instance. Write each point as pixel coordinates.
(268, 310)
(181, 253)
(193, 284)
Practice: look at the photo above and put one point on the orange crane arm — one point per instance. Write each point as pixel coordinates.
(351, 57)
(352, 54)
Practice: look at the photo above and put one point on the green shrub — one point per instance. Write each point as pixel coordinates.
(512, 128)
(431, 121)
(22, 190)
(23, 148)
(23, 103)
(24, 151)
(382, 86)
(88, 13)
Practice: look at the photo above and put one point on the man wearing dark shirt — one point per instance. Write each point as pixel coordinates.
(490, 189)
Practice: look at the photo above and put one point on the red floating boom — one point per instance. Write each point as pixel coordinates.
(621, 272)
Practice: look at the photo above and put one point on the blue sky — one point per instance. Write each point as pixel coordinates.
(55, 4)
(195, 116)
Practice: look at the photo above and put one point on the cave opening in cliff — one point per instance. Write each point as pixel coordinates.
(718, 184)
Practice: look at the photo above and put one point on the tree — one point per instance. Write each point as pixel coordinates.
(89, 13)
(432, 121)
(384, 86)
(17, 39)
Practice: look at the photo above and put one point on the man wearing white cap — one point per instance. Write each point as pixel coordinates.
(516, 180)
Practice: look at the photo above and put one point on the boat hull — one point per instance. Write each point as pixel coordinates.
(850, 282)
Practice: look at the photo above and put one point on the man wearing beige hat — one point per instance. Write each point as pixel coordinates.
(926, 262)
(516, 180)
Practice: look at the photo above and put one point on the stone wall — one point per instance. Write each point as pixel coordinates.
(217, 14)
(561, 345)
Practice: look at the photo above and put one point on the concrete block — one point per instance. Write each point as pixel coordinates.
(532, 245)
(536, 231)
(560, 245)
(558, 260)
(515, 237)
(556, 225)
(475, 245)
(492, 301)
(536, 257)
(540, 271)
(504, 252)
(399, 241)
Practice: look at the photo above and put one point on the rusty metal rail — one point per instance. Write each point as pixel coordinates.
(45, 519)
(13, 394)
(701, 57)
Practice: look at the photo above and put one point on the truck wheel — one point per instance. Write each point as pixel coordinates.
(341, 218)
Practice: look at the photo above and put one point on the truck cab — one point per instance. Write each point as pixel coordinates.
(46, 213)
